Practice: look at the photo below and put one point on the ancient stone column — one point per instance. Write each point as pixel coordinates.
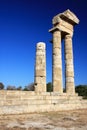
(57, 62)
(63, 23)
(40, 68)
(69, 70)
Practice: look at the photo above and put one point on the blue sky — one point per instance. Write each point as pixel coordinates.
(23, 23)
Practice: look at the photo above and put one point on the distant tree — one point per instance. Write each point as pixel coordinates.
(82, 90)
(49, 87)
(19, 88)
(29, 87)
(25, 88)
(64, 90)
(11, 87)
(1, 86)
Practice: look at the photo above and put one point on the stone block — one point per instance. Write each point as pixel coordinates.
(67, 25)
(70, 79)
(40, 87)
(57, 86)
(68, 47)
(69, 69)
(69, 56)
(57, 72)
(41, 46)
(64, 29)
(70, 73)
(68, 51)
(40, 73)
(40, 79)
(69, 62)
(57, 62)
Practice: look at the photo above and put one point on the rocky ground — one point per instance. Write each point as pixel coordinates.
(69, 120)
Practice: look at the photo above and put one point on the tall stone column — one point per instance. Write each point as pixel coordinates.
(57, 62)
(69, 69)
(40, 68)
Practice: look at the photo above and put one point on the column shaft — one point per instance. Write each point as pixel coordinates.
(57, 62)
(40, 68)
(69, 68)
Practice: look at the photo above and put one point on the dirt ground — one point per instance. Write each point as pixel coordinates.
(68, 120)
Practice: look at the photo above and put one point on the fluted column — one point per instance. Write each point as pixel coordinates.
(40, 68)
(57, 62)
(69, 68)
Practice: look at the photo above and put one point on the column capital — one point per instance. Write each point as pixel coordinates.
(52, 30)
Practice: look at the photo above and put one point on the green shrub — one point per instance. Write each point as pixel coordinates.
(82, 90)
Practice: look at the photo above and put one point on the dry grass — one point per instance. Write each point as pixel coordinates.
(68, 120)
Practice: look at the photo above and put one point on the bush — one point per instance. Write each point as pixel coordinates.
(49, 87)
(19, 88)
(82, 90)
(29, 87)
(11, 87)
(1, 86)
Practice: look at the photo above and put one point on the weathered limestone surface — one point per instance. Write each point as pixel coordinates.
(63, 26)
(40, 68)
(57, 62)
(65, 22)
(17, 102)
(69, 74)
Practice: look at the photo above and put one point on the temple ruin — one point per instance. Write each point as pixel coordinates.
(17, 102)
(63, 28)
